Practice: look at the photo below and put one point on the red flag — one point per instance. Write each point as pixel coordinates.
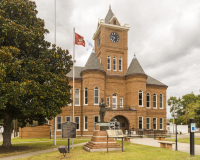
(79, 40)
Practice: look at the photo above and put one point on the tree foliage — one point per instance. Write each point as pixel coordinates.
(186, 105)
(33, 83)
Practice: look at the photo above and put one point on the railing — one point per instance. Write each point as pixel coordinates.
(120, 108)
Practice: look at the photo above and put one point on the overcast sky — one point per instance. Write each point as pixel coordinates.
(165, 35)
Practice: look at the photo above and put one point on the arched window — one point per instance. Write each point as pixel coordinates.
(154, 101)
(108, 63)
(96, 95)
(86, 96)
(120, 63)
(148, 100)
(77, 97)
(140, 98)
(161, 101)
(114, 63)
(114, 22)
(114, 101)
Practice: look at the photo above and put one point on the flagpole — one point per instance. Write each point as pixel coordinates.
(55, 44)
(73, 78)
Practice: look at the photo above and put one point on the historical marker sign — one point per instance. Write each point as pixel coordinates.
(68, 130)
(115, 133)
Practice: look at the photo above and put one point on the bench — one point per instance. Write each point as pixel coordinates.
(165, 144)
(162, 138)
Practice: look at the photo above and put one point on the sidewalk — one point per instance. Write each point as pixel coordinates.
(183, 147)
(35, 153)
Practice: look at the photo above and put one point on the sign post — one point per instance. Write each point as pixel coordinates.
(192, 130)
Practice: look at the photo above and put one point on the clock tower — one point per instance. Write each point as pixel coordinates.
(111, 44)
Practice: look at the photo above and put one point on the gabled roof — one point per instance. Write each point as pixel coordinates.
(109, 16)
(93, 63)
(77, 72)
(135, 68)
(152, 81)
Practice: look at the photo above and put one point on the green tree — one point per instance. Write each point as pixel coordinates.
(33, 83)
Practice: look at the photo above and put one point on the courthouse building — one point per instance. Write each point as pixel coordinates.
(133, 98)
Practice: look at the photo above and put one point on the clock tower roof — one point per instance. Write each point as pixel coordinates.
(109, 15)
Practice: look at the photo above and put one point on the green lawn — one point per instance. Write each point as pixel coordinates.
(132, 152)
(34, 145)
(184, 140)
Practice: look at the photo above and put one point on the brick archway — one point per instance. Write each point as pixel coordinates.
(123, 122)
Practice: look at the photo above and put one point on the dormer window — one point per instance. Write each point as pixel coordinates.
(114, 22)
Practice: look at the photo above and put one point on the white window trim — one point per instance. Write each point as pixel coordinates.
(79, 123)
(109, 101)
(156, 102)
(94, 120)
(116, 101)
(57, 123)
(84, 123)
(149, 101)
(84, 96)
(139, 122)
(139, 98)
(78, 97)
(121, 106)
(120, 58)
(149, 123)
(66, 119)
(156, 123)
(162, 124)
(115, 63)
(98, 96)
(162, 102)
(108, 57)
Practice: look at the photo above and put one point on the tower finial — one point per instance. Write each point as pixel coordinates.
(109, 6)
(134, 56)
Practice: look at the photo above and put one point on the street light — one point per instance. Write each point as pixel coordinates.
(175, 116)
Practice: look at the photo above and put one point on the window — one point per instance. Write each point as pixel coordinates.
(114, 101)
(96, 119)
(108, 63)
(59, 122)
(154, 101)
(148, 123)
(121, 102)
(68, 119)
(120, 64)
(77, 121)
(114, 22)
(140, 122)
(161, 123)
(140, 98)
(96, 95)
(114, 64)
(161, 101)
(148, 100)
(154, 123)
(86, 96)
(77, 99)
(86, 123)
(108, 101)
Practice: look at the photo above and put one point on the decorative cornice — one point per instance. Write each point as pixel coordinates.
(109, 26)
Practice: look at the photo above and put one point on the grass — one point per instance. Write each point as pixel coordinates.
(185, 140)
(132, 152)
(34, 145)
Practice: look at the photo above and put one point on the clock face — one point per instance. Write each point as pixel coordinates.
(99, 40)
(114, 37)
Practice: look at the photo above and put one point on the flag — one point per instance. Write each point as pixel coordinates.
(79, 40)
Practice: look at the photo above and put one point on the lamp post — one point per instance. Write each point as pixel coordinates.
(175, 115)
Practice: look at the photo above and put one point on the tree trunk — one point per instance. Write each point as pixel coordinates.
(7, 131)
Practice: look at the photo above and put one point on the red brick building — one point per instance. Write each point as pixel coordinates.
(134, 99)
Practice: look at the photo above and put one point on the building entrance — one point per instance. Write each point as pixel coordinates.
(119, 122)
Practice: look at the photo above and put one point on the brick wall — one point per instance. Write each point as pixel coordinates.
(42, 131)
